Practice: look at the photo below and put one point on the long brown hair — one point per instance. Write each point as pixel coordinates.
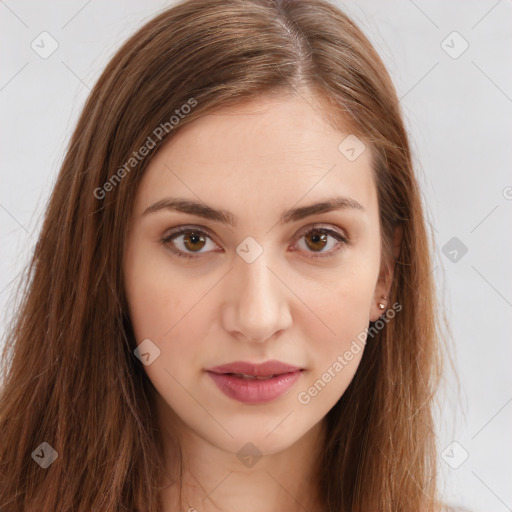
(70, 377)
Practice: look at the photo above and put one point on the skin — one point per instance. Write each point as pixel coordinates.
(254, 160)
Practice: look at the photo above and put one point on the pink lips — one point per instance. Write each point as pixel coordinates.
(275, 379)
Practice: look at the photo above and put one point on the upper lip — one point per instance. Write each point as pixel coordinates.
(257, 370)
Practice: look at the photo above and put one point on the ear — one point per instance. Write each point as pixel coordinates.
(383, 287)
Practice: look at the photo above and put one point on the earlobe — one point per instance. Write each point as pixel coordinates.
(382, 305)
(378, 308)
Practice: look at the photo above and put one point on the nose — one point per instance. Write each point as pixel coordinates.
(256, 306)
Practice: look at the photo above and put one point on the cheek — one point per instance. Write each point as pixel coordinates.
(165, 309)
(341, 304)
(151, 291)
(337, 337)
(334, 358)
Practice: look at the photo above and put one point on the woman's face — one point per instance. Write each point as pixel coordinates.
(261, 283)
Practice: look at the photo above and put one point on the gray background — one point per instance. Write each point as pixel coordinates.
(458, 112)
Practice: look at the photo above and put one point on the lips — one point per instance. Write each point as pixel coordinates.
(254, 384)
(254, 371)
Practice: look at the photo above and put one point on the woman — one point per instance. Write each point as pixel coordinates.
(230, 305)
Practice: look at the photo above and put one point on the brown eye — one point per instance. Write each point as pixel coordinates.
(193, 241)
(316, 240)
(188, 242)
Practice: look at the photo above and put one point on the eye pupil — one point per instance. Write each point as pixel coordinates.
(194, 238)
(317, 238)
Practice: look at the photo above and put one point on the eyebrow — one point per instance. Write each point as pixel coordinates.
(226, 217)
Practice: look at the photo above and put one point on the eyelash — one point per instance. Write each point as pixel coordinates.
(343, 241)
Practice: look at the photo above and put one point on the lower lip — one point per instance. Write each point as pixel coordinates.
(253, 391)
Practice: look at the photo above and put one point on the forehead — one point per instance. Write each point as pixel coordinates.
(269, 150)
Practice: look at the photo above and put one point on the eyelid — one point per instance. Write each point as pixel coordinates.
(186, 228)
(335, 232)
(322, 227)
